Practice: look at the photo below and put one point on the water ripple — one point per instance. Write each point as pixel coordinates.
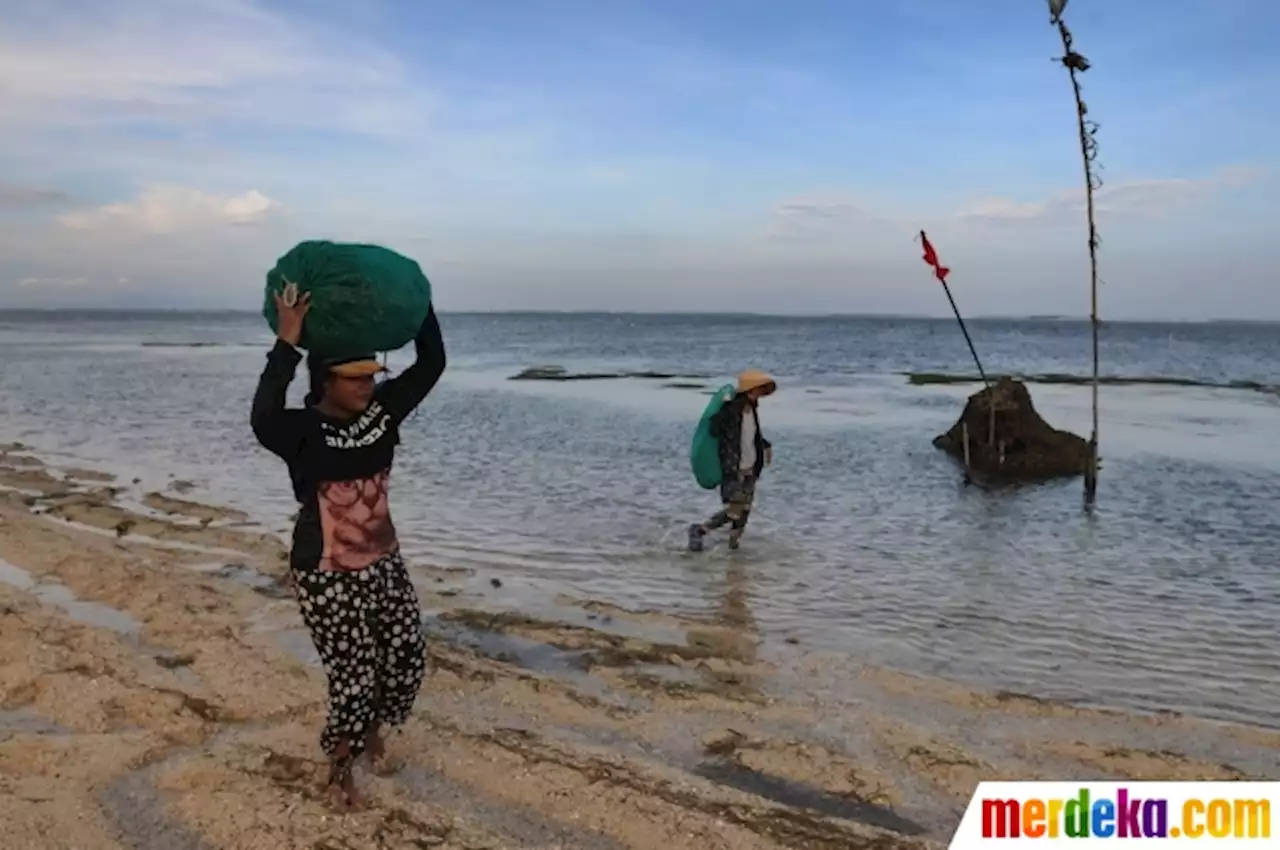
(863, 540)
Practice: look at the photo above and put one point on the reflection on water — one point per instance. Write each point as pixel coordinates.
(862, 539)
(90, 613)
(735, 603)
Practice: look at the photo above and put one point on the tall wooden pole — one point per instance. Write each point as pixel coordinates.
(1077, 64)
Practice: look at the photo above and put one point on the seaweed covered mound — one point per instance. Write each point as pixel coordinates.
(1025, 447)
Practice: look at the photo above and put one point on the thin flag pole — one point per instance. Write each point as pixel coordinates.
(940, 272)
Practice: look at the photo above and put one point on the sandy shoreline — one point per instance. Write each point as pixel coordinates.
(155, 693)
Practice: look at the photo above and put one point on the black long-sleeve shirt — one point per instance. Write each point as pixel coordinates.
(341, 469)
(726, 427)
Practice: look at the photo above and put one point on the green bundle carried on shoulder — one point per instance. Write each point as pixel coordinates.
(364, 298)
(704, 453)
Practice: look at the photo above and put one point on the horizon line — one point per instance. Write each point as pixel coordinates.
(240, 311)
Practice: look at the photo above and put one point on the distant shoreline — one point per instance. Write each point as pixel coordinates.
(124, 312)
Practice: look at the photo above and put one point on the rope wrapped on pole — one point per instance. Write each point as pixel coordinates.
(1087, 128)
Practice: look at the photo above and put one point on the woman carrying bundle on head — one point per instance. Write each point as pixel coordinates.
(355, 594)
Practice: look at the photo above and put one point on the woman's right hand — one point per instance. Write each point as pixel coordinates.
(291, 309)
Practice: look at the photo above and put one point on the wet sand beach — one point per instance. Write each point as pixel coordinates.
(157, 691)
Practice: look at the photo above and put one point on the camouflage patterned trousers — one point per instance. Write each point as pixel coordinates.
(737, 494)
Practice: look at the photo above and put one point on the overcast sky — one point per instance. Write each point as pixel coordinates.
(740, 155)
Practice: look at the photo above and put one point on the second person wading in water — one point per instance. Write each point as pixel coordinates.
(351, 583)
(744, 453)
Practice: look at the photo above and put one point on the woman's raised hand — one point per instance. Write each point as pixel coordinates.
(291, 309)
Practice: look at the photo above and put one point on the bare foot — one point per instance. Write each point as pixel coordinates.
(375, 748)
(344, 797)
(341, 790)
(336, 797)
(355, 800)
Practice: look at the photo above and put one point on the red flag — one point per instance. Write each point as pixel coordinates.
(931, 257)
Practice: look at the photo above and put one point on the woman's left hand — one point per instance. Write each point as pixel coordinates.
(292, 311)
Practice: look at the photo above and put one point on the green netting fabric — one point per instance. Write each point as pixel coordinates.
(364, 298)
(704, 453)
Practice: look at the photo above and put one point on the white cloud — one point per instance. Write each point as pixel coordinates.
(1144, 198)
(1003, 209)
(170, 244)
(827, 215)
(168, 209)
(198, 101)
(119, 61)
(844, 221)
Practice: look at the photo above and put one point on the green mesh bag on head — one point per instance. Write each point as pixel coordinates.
(364, 298)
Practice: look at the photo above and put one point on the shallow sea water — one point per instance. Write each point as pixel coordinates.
(863, 542)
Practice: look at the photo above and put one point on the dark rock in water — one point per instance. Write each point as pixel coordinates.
(932, 378)
(165, 344)
(558, 373)
(541, 373)
(1025, 448)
